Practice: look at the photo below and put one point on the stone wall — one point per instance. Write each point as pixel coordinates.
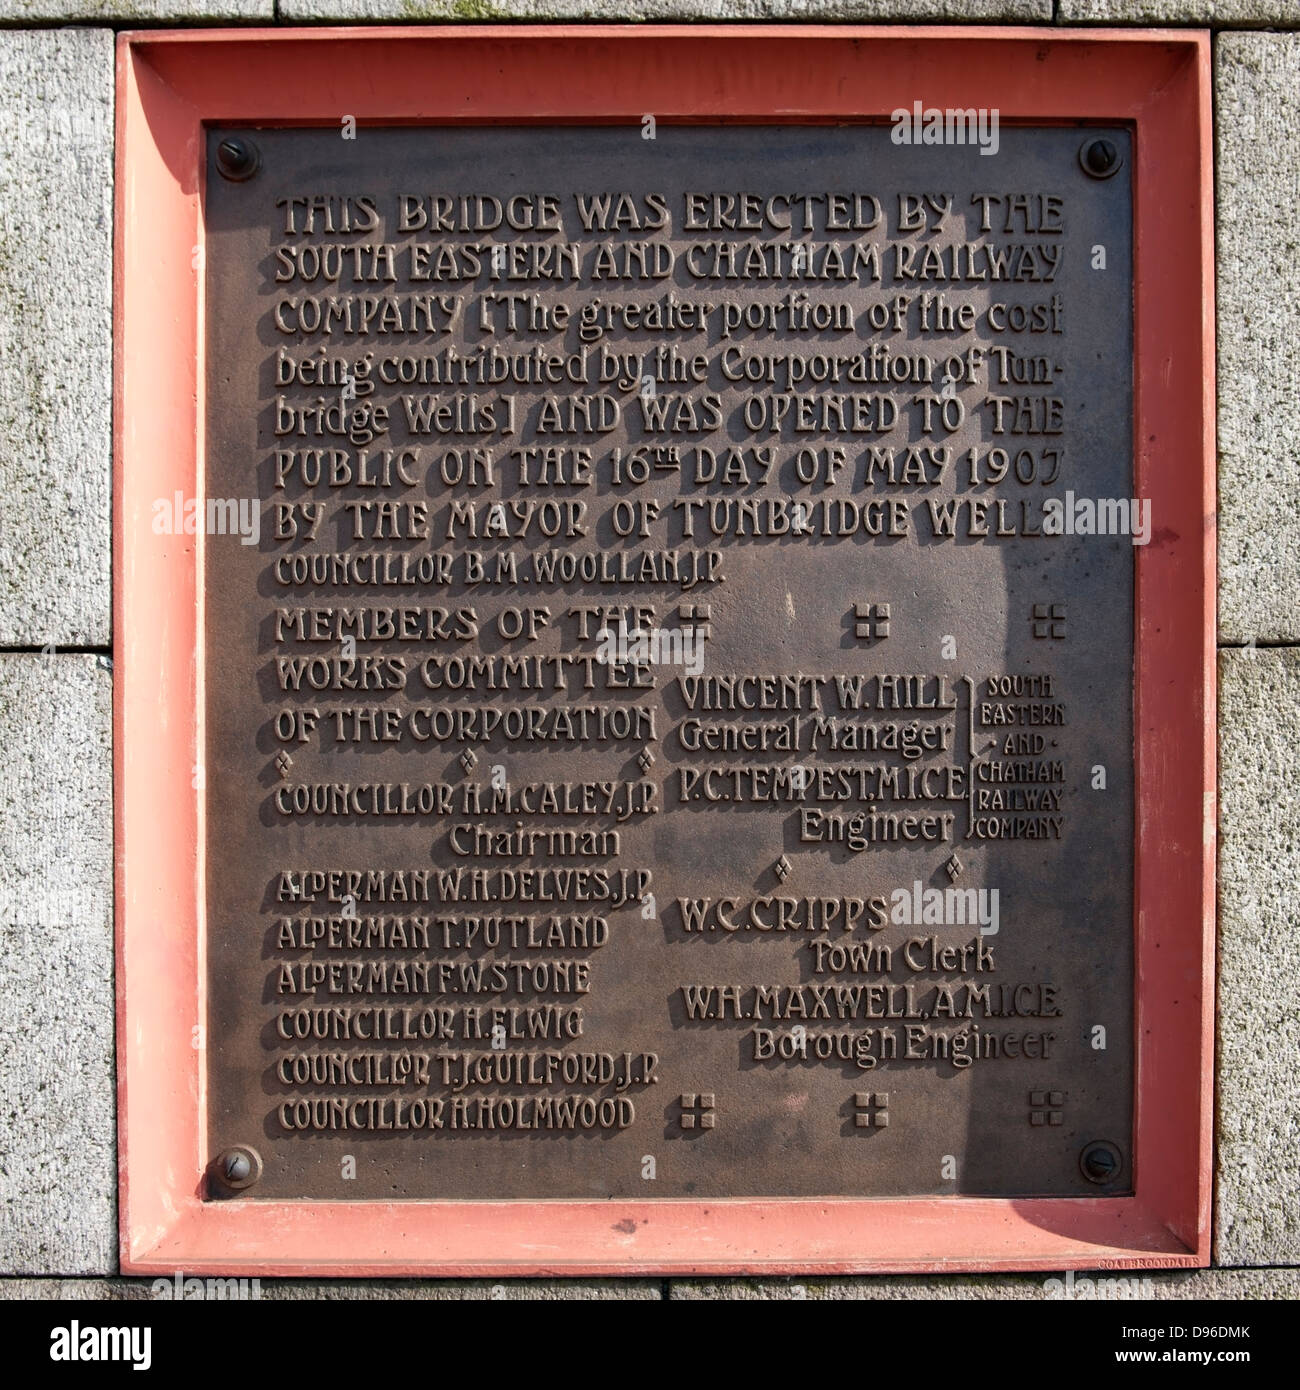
(57, 1085)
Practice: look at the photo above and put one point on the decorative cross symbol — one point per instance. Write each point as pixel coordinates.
(283, 762)
(697, 614)
(1049, 620)
(872, 1109)
(871, 621)
(468, 760)
(1049, 1104)
(697, 1110)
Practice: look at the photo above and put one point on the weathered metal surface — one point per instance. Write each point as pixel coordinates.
(684, 960)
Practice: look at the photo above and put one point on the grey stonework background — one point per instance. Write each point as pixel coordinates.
(57, 1084)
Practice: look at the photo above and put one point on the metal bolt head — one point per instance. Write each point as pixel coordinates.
(237, 1168)
(1099, 158)
(237, 158)
(1101, 1161)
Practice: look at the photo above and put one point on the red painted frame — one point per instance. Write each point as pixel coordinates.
(170, 84)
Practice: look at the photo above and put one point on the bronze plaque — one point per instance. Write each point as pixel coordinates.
(669, 652)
